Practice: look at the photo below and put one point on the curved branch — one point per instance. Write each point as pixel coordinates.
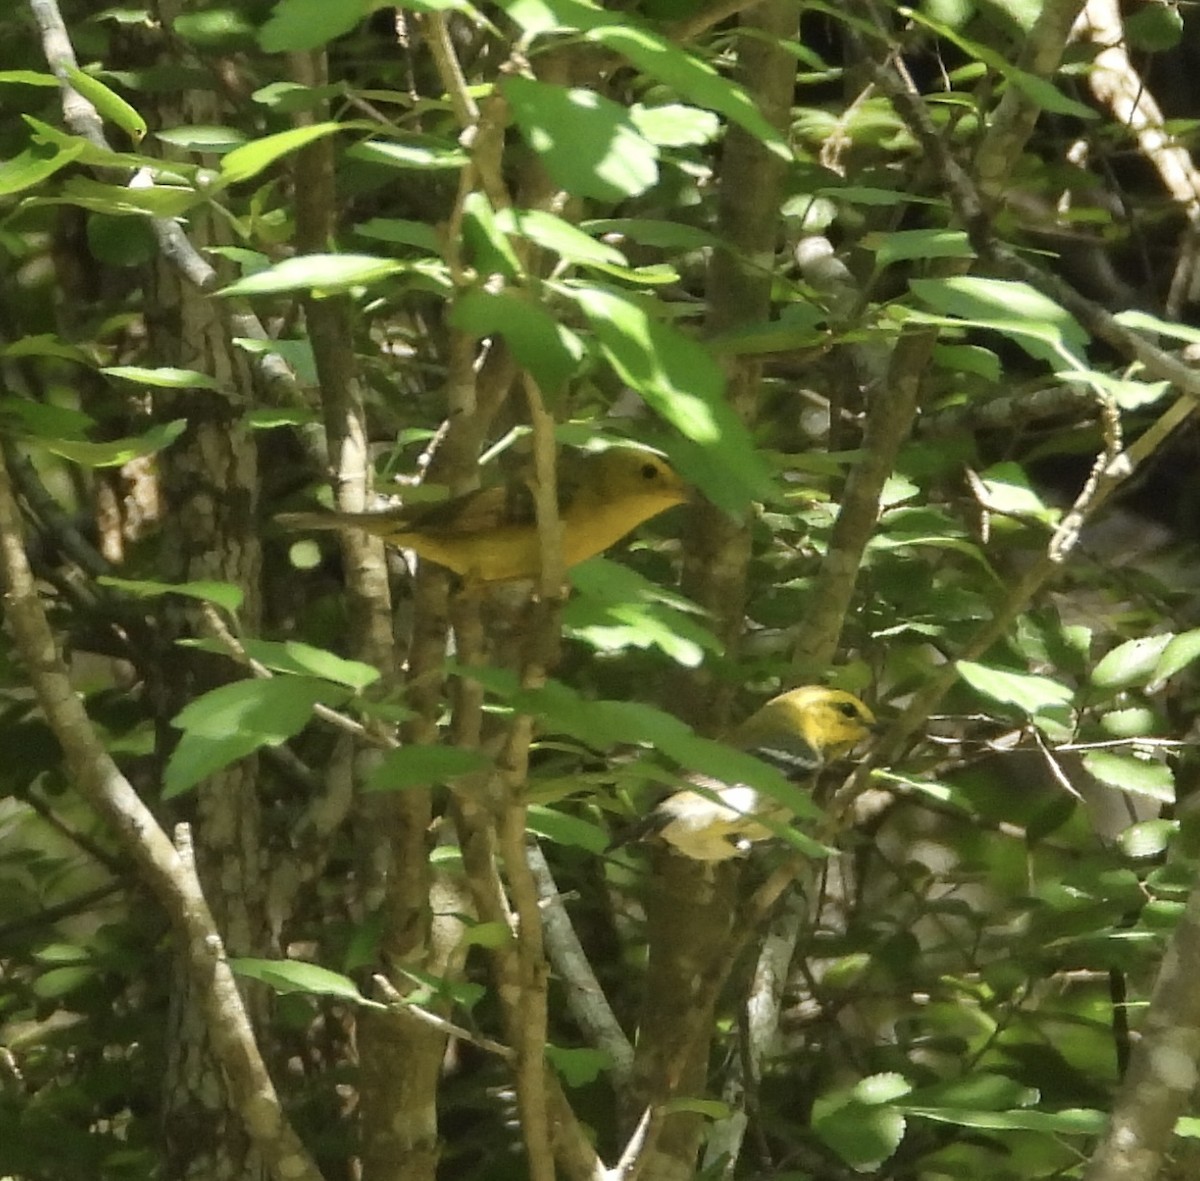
(176, 889)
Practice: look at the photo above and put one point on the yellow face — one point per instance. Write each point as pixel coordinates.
(625, 472)
(831, 721)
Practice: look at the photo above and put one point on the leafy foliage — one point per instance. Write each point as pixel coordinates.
(562, 211)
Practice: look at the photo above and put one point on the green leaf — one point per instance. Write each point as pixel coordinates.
(709, 1108)
(297, 26)
(488, 249)
(1182, 650)
(59, 982)
(1150, 838)
(297, 976)
(616, 608)
(420, 153)
(1154, 27)
(863, 1136)
(318, 273)
(273, 708)
(1153, 326)
(1070, 1122)
(118, 451)
(402, 232)
(685, 386)
(564, 829)
(418, 765)
(901, 245)
(197, 756)
(577, 1067)
(251, 158)
(109, 105)
(45, 344)
(202, 138)
(232, 721)
(675, 125)
(691, 77)
(553, 233)
(28, 78)
(545, 346)
(488, 934)
(163, 377)
(1128, 393)
(464, 993)
(647, 232)
(1142, 777)
(978, 1090)
(968, 358)
(156, 200)
(1007, 489)
(868, 195)
(1029, 693)
(293, 657)
(800, 326)
(224, 594)
(37, 162)
(1030, 319)
(881, 1088)
(1134, 662)
(549, 16)
(588, 144)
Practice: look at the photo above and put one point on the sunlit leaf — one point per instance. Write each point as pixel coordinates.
(296, 26)
(298, 976)
(1143, 777)
(545, 346)
(681, 381)
(229, 722)
(316, 273)
(587, 143)
(690, 77)
(1027, 692)
(163, 376)
(1132, 663)
(224, 594)
(35, 164)
(108, 103)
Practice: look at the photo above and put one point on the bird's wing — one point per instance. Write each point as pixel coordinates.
(510, 504)
(473, 513)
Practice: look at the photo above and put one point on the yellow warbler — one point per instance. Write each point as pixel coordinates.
(490, 535)
(797, 732)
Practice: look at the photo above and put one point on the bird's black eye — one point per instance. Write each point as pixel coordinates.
(848, 709)
(649, 471)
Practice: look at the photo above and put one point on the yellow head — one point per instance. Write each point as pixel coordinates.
(806, 727)
(628, 473)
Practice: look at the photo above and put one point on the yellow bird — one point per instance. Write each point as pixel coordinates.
(490, 535)
(798, 732)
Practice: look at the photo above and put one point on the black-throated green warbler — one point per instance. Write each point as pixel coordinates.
(797, 732)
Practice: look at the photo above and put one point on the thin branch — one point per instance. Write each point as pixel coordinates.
(407, 1008)
(161, 866)
(585, 997)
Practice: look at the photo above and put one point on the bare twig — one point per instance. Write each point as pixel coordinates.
(585, 997)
